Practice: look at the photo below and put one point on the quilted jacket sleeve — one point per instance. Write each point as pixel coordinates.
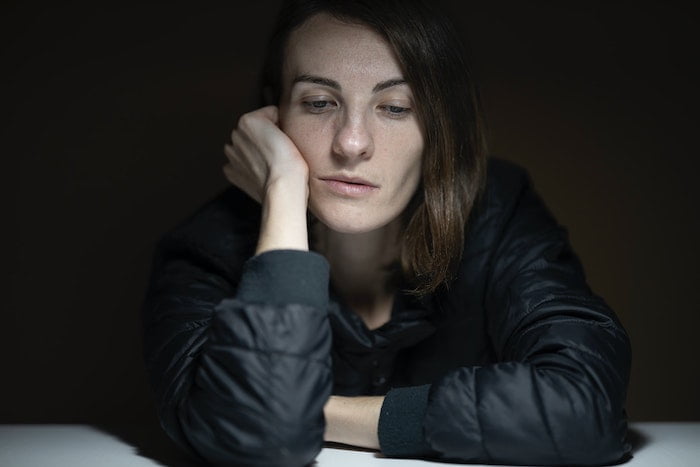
(557, 396)
(240, 371)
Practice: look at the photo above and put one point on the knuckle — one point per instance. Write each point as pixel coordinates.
(230, 152)
(245, 121)
(235, 139)
(240, 124)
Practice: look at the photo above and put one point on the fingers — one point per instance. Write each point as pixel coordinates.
(271, 112)
(244, 169)
(246, 183)
(259, 150)
(251, 121)
(229, 173)
(260, 140)
(245, 154)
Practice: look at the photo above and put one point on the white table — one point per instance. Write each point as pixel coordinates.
(658, 444)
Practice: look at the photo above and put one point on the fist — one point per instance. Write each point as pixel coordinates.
(261, 153)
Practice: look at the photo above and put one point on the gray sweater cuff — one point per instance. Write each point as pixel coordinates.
(401, 422)
(280, 277)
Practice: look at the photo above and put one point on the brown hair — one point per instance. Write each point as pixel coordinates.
(447, 104)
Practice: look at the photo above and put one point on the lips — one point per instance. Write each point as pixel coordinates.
(351, 180)
(349, 186)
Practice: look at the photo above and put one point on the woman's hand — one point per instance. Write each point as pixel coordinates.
(260, 154)
(265, 163)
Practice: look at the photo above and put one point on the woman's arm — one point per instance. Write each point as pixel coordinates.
(242, 380)
(557, 394)
(353, 420)
(238, 351)
(265, 164)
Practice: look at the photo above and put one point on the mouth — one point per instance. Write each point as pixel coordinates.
(349, 186)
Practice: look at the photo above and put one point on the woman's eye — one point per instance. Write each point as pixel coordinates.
(319, 106)
(396, 110)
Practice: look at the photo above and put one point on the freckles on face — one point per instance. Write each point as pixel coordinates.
(347, 108)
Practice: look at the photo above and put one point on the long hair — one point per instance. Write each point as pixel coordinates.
(447, 105)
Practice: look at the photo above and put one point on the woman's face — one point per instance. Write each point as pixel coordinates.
(348, 110)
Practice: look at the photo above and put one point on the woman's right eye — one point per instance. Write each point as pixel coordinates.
(319, 106)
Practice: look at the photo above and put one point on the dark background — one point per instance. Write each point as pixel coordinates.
(113, 123)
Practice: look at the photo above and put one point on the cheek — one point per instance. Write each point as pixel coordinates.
(406, 164)
(308, 136)
(412, 177)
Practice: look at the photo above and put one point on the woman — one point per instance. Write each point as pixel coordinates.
(369, 280)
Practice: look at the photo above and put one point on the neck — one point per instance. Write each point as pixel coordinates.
(360, 268)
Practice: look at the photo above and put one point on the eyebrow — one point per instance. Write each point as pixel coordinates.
(317, 80)
(388, 84)
(335, 85)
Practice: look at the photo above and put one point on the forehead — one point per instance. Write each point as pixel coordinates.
(326, 46)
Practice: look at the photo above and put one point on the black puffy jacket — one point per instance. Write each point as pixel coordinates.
(516, 362)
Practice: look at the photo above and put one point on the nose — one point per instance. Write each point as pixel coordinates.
(353, 138)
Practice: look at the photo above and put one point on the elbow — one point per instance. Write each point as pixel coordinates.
(588, 448)
(596, 437)
(240, 437)
(586, 396)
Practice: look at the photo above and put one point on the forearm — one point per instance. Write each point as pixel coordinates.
(353, 420)
(247, 367)
(283, 224)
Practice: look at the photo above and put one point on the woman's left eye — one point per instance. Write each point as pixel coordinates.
(395, 110)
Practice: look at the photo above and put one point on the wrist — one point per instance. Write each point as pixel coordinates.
(353, 420)
(293, 177)
(283, 225)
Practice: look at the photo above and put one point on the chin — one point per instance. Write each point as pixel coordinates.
(349, 221)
